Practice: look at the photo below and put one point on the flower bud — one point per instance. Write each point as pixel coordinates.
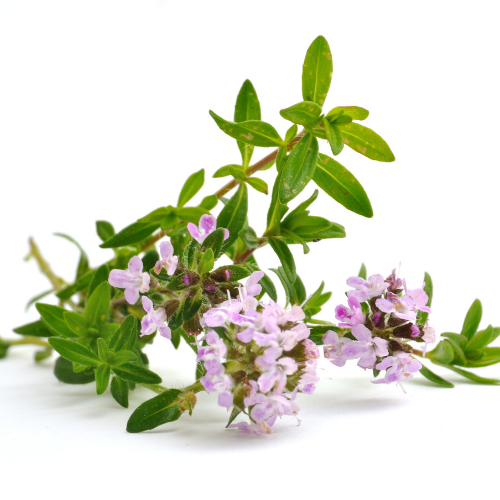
(191, 278)
(221, 274)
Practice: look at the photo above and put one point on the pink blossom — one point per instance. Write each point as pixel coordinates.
(373, 347)
(401, 307)
(399, 368)
(154, 320)
(338, 350)
(365, 290)
(168, 261)
(207, 225)
(419, 298)
(393, 282)
(350, 317)
(133, 280)
(429, 337)
(274, 370)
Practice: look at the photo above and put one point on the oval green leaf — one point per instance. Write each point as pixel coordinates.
(317, 71)
(366, 142)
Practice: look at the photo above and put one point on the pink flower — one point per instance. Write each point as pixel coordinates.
(274, 370)
(401, 307)
(399, 368)
(133, 280)
(419, 298)
(168, 261)
(429, 337)
(338, 350)
(207, 225)
(365, 290)
(350, 317)
(154, 320)
(373, 347)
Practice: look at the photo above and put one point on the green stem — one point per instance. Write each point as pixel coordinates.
(159, 389)
(28, 340)
(155, 388)
(57, 282)
(249, 252)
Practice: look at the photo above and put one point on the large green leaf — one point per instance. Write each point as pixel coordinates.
(134, 233)
(472, 319)
(480, 339)
(317, 71)
(253, 132)
(156, 411)
(247, 109)
(76, 322)
(299, 168)
(234, 214)
(366, 142)
(125, 337)
(75, 352)
(304, 113)
(119, 391)
(286, 258)
(63, 370)
(35, 329)
(98, 305)
(336, 181)
(53, 317)
(193, 184)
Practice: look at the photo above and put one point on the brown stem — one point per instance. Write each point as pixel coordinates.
(247, 253)
(156, 237)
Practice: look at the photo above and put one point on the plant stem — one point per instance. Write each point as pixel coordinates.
(247, 253)
(28, 339)
(159, 389)
(57, 282)
(155, 388)
(156, 237)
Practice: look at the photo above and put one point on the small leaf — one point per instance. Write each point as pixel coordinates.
(473, 376)
(299, 168)
(123, 357)
(472, 319)
(136, 232)
(304, 113)
(366, 142)
(276, 209)
(442, 353)
(355, 112)
(480, 339)
(209, 202)
(286, 258)
(137, 374)
(222, 172)
(362, 271)
(312, 225)
(487, 357)
(97, 308)
(40, 296)
(290, 135)
(258, 184)
(176, 338)
(268, 287)
(428, 289)
(249, 237)
(125, 337)
(317, 71)
(253, 132)
(75, 352)
(76, 323)
(214, 241)
(80, 284)
(435, 378)
(206, 263)
(119, 391)
(192, 305)
(63, 370)
(156, 411)
(43, 354)
(237, 272)
(193, 184)
(102, 375)
(234, 214)
(336, 181)
(53, 317)
(247, 108)
(334, 137)
(35, 329)
(104, 229)
(334, 231)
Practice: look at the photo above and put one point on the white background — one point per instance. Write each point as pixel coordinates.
(104, 114)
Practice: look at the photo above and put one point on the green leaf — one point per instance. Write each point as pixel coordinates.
(268, 287)
(234, 214)
(43, 354)
(253, 132)
(494, 335)
(366, 142)
(487, 357)
(291, 295)
(176, 337)
(192, 305)
(105, 229)
(472, 319)
(480, 339)
(80, 284)
(206, 263)
(125, 337)
(234, 413)
(40, 296)
(237, 272)
(191, 214)
(209, 202)
(247, 109)
(473, 376)
(97, 309)
(119, 391)
(53, 317)
(223, 171)
(156, 411)
(75, 352)
(76, 323)
(459, 357)
(299, 168)
(101, 275)
(276, 209)
(460, 339)
(137, 374)
(335, 231)
(334, 137)
(35, 329)
(435, 378)
(317, 71)
(102, 375)
(102, 350)
(286, 258)
(258, 184)
(304, 113)
(122, 357)
(214, 241)
(193, 184)
(442, 353)
(336, 181)
(428, 289)
(249, 237)
(355, 112)
(312, 225)
(134, 233)
(63, 370)
(362, 271)
(290, 135)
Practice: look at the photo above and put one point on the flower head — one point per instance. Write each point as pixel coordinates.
(168, 261)
(207, 225)
(133, 280)
(374, 286)
(154, 320)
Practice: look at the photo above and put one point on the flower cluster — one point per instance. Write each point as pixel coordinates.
(260, 359)
(381, 317)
